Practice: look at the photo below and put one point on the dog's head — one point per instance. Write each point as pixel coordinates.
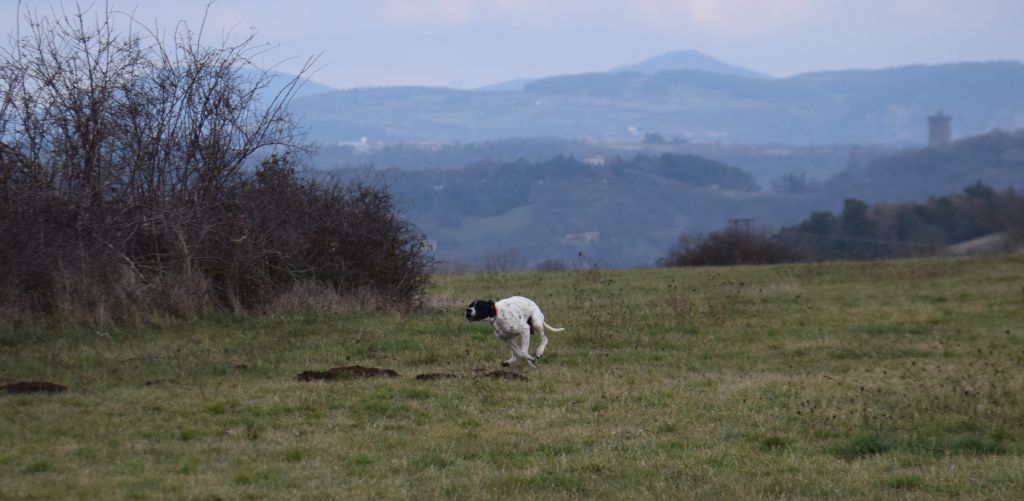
(480, 309)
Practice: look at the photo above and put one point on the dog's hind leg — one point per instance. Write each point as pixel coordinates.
(524, 340)
(536, 323)
(543, 340)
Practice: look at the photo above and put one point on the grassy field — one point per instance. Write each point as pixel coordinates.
(870, 380)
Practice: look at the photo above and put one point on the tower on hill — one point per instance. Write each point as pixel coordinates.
(940, 129)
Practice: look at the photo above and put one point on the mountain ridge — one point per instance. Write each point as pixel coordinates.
(885, 106)
(669, 61)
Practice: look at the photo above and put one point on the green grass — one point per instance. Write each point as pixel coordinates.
(905, 482)
(868, 380)
(861, 446)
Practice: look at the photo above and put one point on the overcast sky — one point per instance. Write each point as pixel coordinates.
(469, 43)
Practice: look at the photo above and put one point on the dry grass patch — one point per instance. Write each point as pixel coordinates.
(801, 381)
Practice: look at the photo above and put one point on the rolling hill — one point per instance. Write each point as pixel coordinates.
(996, 159)
(864, 106)
(614, 212)
(628, 212)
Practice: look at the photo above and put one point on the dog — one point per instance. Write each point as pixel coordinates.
(511, 318)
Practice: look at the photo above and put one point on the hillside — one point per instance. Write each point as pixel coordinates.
(624, 209)
(278, 81)
(617, 212)
(879, 106)
(766, 163)
(996, 158)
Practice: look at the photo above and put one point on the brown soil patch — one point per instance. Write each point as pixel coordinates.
(161, 381)
(431, 377)
(349, 372)
(501, 374)
(34, 387)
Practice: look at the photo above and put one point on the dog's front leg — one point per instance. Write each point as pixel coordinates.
(510, 361)
(516, 352)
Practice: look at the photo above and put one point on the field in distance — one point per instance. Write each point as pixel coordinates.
(860, 380)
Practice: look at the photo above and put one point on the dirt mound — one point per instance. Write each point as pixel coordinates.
(349, 372)
(161, 381)
(501, 374)
(431, 377)
(34, 387)
(359, 372)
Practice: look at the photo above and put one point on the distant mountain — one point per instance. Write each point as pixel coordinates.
(308, 87)
(688, 60)
(877, 106)
(671, 61)
(508, 85)
(279, 80)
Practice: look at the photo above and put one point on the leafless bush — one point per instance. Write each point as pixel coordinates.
(730, 247)
(285, 229)
(126, 184)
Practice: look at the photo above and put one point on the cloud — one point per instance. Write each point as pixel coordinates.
(729, 17)
(440, 41)
(747, 17)
(444, 12)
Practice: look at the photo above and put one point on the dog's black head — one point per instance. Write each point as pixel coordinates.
(480, 309)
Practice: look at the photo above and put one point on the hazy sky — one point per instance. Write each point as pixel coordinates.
(468, 43)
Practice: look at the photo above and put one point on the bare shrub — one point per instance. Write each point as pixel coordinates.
(127, 186)
(730, 247)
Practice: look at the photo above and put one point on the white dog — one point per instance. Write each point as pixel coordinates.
(513, 317)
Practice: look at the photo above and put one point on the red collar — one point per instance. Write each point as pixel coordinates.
(495, 311)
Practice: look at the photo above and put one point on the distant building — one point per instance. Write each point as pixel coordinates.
(940, 129)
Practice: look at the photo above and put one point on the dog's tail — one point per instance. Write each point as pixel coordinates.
(553, 329)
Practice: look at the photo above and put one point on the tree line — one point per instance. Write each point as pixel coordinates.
(862, 231)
